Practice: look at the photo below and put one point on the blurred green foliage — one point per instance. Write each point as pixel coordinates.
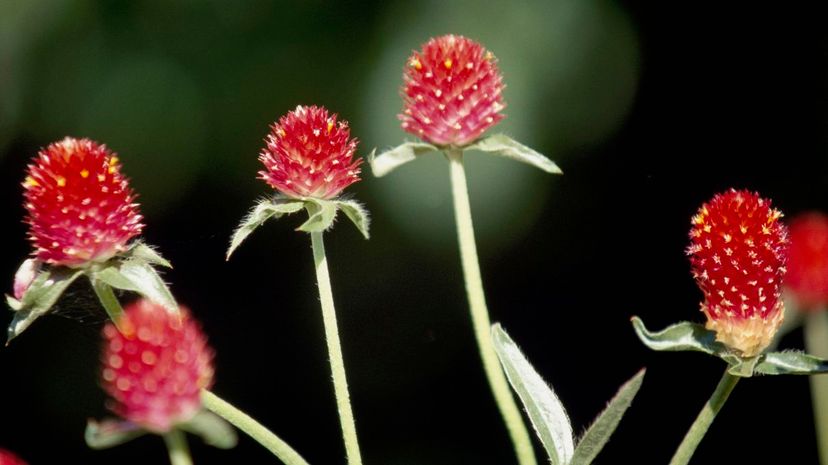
(185, 90)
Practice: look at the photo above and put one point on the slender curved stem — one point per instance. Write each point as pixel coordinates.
(109, 301)
(708, 413)
(252, 428)
(480, 314)
(816, 343)
(177, 447)
(343, 401)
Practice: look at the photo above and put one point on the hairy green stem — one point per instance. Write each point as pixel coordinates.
(480, 314)
(109, 301)
(177, 447)
(343, 401)
(252, 428)
(706, 416)
(816, 343)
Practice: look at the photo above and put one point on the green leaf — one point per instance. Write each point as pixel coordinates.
(679, 337)
(212, 429)
(357, 214)
(545, 410)
(503, 145)
(322, 215)
(138, 276)
(791, 363)
(390, 160)
(260, 213)
(148, 254)
(110, 433)
(742, 367)
(39, 298)
(13, 303)
(599, 433)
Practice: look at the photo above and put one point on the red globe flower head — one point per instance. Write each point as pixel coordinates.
(310, 154)
(7, 458)
(79, 206)
(807, 278)
(738, 248)
(452, 91)
(155, 367)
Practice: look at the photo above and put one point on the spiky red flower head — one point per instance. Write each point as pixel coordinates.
(807, 277)
(79, 206)
(156, 366)
(310, 154)
(738, 249)
(452, 91)
(7, 458)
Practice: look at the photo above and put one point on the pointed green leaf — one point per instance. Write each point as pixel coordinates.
(13, 303)
(41, 295)
(260, 213)
(679, 337)
(503, 145)
(742, 367)
(110, 433)
(148, 254)
(138, 276)
(357, 214)
(545, 410)
(791, 363)
(322, 215)
(390, 160)
(599, 433)
(212, 429)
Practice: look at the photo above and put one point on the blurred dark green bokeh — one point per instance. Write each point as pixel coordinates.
(648, 108)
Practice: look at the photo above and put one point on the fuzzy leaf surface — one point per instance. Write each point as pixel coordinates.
(599, 433)
(505, 146)
(138, 276)
(545, 410)
(791, 363)
(261, 212)
(357, 214)
(322, 215)
(392, 159)
(41, 295)
(142, 251)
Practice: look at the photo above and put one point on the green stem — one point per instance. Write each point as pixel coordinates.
(343, 402)
(480, 314)
(177, 447)
(252, 428)
(109, 301)
(706, 416)
(816, 343)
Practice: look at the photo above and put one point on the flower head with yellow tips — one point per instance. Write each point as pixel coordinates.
(309, 154)
(452, 91)
(79, 206)
(738, 250)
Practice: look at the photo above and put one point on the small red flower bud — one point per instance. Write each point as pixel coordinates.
(7, 458)
(738, 248)
(79, 206)
(156, 366)
(310, 154)
(24, 276)
(807, 277)
(452, 91)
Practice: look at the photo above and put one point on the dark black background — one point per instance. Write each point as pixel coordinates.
(728, 96)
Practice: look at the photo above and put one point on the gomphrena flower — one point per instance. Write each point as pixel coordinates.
(79, 206)
(807, 277)
(738, 251)
(155, 367)
(452, 91)
(310, 154)
(7, 458)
